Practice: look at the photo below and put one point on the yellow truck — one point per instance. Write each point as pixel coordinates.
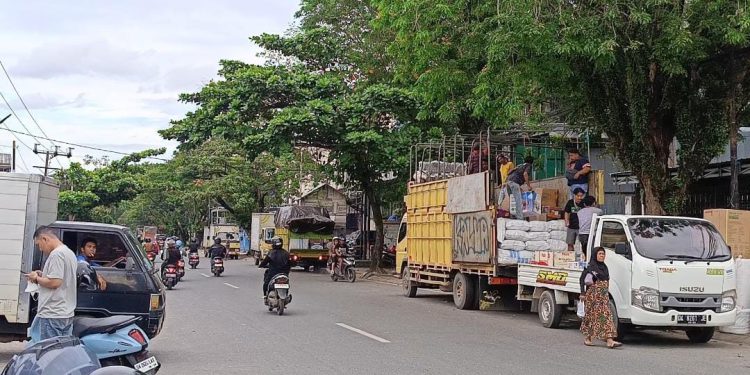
(305, 231)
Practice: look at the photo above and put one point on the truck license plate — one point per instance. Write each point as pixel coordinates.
(148, 364)
(691, 319)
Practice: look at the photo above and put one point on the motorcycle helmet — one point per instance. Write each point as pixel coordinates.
(277, 243)
(170, 243)
(178, 243)
(217, 241)
(86, 276)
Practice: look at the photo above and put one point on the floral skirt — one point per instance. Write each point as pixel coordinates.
(597, 321)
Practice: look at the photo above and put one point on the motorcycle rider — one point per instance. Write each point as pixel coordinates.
(193, 246)
(277, 261)
(217, 250)
(172, 254)
(340, 249)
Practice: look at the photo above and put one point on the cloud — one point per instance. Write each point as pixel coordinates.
(93, 58)
(45, 101)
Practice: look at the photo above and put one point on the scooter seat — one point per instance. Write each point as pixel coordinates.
(83, 326)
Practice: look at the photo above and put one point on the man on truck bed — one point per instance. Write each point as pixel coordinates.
(518, 177)
(571, 217)
(57, 285)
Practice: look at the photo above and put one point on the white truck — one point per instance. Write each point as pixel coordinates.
(262, 228)
(665, 272)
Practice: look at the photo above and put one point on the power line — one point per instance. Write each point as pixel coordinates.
(81, 146)
(17, 118)
(25, 167)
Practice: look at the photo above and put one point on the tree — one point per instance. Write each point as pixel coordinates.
(645, 73)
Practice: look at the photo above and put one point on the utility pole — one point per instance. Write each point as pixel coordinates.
(13, 158)
(49, 155)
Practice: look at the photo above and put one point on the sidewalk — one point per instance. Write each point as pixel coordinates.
(378, 277)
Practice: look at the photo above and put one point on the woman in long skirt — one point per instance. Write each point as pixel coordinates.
(597, 321)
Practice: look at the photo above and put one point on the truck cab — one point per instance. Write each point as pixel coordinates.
(668, 272)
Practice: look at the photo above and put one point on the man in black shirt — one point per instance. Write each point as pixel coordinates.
(277, 261)
(519, 176)
(571, 216)
(578, 172)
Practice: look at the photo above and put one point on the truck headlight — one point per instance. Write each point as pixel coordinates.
(646, 298)
(728, 301)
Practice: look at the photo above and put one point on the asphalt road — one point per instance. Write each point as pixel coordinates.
(220, 326)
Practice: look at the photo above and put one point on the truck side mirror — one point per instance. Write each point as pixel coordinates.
(621, 248)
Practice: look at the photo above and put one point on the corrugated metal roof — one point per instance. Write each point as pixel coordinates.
(743, 148)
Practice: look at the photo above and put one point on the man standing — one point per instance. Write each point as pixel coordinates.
(578, 172)
(585, 216)
(518, 177)
(57, 285)
(505, 166)
(571, 217)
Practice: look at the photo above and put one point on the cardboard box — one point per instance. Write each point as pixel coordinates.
(544, 258)
(734, 226)
(548, 196)
(562, 259)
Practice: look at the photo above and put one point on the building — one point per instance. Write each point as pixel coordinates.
(330, 198)
(6, 161)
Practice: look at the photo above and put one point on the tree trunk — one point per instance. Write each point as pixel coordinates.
(651, 197)
(737, 77)
(377, 217)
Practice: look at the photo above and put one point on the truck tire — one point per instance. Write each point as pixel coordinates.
(622, 328)
(550, 313)
(464, 292)
(700, 335)
(409, 287)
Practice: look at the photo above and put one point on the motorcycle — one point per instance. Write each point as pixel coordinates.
(180, 269)
(117, 341)
(217, 266)
(388, 257)
(346, 271)
(169, 276)
(193, 260)
(278, 293)
(62, 355)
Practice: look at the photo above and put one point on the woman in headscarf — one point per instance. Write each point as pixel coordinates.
(597, 321)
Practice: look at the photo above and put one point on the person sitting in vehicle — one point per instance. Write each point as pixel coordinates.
(87, 254)
(277, 262)
(172, 254)
(217, 250)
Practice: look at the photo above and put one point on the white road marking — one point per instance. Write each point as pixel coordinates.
(231, 286)
(204, 275)
(363, 333)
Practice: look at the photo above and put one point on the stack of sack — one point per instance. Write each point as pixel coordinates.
(742, 323)
(521, 241)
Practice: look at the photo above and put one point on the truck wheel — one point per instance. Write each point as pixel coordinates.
(464, 292)
(549, 312)
(700, 335)
(622, 328)
(409, 287)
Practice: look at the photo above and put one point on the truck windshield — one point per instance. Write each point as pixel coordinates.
(681, 239)
(136, 245)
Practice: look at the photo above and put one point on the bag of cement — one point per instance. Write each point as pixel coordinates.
(537, 246)
(559, 235)
(557, 245)
(741, 324)
(537, 236)
(516, 235)
(556, 225)
(517, 225)
(513, 245)
(526, 255)
(507, 256)
(538, 226)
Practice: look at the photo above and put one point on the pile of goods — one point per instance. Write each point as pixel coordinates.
(534, 242)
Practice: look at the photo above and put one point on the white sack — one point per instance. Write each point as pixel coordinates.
(537, 236)
(516, 235)
(741, 324)
(517, 225)
(557, 245)
(559, 235)
(556, 225)
(507, 256)
(537, 246)
(526, 254)
(512, 245)
(537, 226)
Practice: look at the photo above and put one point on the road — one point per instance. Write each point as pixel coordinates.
(220, 326)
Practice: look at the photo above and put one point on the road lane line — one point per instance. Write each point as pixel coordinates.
(204, 275)
(363, 333)
(231, 286)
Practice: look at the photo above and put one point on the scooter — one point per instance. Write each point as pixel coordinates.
(346, 271)
(194, 259)
(180, 269)
(388, 257)
(117, 341)
(169, 276)
(278, 293)
(217, 266)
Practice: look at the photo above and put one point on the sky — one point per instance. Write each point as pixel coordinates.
(108, 73)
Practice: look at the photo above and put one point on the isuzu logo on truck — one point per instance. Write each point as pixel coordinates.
(692, 289)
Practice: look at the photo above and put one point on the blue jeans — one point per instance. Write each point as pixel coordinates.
(584, 187)
(515, 190)
(53, 327)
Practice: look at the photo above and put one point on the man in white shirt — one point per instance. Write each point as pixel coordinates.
(57, 285)
(585, 216)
